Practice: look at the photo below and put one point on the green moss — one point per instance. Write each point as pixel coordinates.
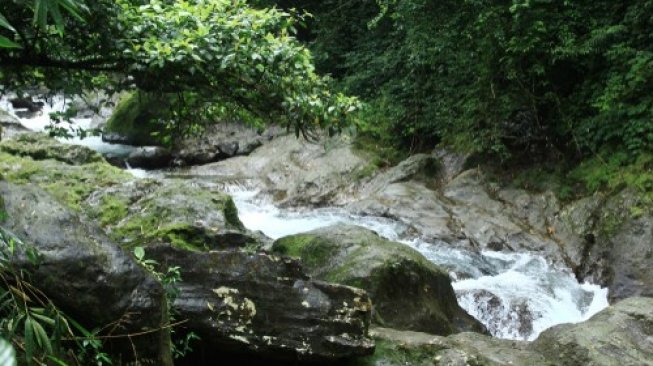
(613, 171)
(313, 251)
(136, 116)
(230, 212)
(69, 184)
(182, 236)
(112, 210)
(393, 354)
(366, 171)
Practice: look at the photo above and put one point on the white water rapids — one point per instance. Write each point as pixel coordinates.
(516, 295)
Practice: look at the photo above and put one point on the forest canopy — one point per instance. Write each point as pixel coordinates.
(567, 78)
(212, 58)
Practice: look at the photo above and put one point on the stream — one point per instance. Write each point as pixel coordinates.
(516, 295)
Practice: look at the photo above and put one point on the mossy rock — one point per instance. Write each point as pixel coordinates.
(407, 291)
(131, 211)
(40, 146)
(177, 212)
(69, 173)
(399, 348)
(136, 118)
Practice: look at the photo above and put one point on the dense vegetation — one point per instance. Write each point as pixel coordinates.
(215, 58)
(505, 77)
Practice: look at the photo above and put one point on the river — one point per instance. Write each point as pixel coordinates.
(516, 295)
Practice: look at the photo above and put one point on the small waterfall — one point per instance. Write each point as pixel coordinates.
(516, 295)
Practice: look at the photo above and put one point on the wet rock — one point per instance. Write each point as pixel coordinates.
(419, 167)
(619, 335)
(26, 103)
(451, 163)
(574, 228)
(407, 291)
(10, 125)
(42, 147)
(266, 306)
(514, 318)
(149, 157)
(86, 274)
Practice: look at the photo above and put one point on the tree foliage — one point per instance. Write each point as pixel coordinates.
(215, 57)
(502, 76)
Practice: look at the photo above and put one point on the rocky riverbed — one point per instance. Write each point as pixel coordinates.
(331, 291)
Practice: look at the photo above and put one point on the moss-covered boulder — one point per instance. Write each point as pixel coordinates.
(70, 173)
(407, 291)
(135, 118)
(40, 146)
(177, 212)
(86, 274)
(131, 211)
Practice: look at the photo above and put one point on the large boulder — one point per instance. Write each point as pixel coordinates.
(619, 335)
(69, 173)
(87, 275)
(149, 157)
(293, 171)
(221, 141)
(40, 146)
(407, 291)
(179, 212)
(262, 304)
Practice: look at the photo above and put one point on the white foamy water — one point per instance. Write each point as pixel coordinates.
(39, 121)
(516, 295)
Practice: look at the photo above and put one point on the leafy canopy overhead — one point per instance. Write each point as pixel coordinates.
(214, 57)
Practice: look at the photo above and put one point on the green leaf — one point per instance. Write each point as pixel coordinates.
(7, 354)
(30, 341)
(139, 253)
(7, 43)
(5, 24)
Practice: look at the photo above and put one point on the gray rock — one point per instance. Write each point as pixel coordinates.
(401, 348)
(408, 291)
(149, 157)
(630, 259)
(267, 306)
(221, 141)
(293, 171)
(86, 274)
(10, 125)
(619, 335)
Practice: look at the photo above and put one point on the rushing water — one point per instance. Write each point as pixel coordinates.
(516, 295)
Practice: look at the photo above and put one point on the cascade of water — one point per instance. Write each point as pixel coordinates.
(516, 295)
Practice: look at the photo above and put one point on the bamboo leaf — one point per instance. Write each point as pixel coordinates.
(7, 354)
(5, 24)
(29, 340)
(7, 43)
